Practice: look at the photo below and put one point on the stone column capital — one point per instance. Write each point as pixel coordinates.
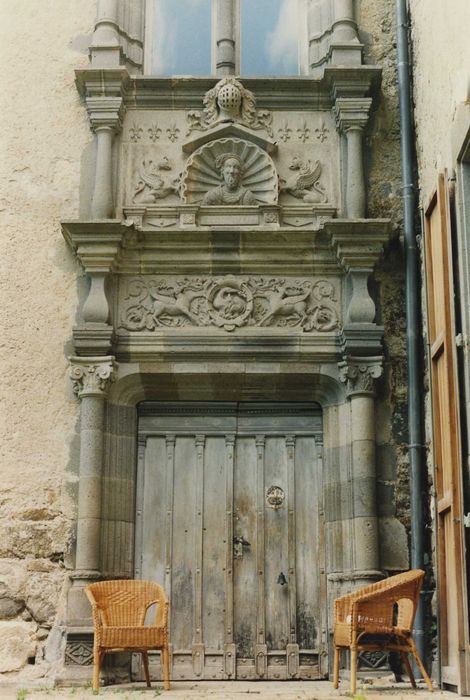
(352, 113)
(91, 376)
(105, 113)
(359, 374)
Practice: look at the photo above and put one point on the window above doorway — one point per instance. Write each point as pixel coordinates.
(265, 37)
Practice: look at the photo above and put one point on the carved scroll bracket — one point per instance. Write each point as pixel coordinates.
(91, 376)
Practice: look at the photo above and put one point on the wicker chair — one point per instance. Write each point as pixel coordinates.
(119, 609)
(379, 617)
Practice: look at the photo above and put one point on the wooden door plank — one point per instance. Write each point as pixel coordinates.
(261, 661)
(230, 648)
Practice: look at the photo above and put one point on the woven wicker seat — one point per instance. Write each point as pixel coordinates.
(379, 617)
(119, 609)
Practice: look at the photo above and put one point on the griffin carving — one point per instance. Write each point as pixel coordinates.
(304, 183)
(153, 185)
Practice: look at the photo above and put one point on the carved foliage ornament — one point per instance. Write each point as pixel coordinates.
(91, 378)
(230, 303)
(359, 376)
(229, 101)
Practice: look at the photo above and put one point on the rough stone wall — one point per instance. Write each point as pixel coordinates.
(441, 57)
(376, 20)
(44, 133)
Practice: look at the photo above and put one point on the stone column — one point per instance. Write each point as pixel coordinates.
(91, 377)
(105, 47)
(352, 115)
(359, 374)
(344, 25)
(226, 38)
(105, 120)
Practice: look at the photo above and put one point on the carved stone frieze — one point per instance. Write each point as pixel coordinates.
(148, 304)
(305, 182)
(152, 184)
(252, 178)
(79, 652)
(359, 374)
(229, 101)
(91, 376)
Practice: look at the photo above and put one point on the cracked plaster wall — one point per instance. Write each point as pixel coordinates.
(41, 43)
(441, 77)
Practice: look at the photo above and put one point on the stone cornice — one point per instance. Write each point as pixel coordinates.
(95, 244)
(116, 246)
(357, 81)
(187, 93)
(358, 244)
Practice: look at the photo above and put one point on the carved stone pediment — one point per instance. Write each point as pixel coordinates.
(206, 181)
(227, 130)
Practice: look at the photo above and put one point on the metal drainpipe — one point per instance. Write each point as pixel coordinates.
(413, 324)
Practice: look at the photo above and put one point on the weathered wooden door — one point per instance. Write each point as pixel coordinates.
(446, 441)
(229, 519)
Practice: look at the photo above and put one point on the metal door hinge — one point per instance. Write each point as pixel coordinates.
(466, 520)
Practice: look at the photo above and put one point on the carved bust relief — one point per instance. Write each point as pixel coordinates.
(229, 172)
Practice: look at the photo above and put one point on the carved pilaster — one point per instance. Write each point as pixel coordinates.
(91, 376)
(105, 120)
(352, 115)
(359, 374)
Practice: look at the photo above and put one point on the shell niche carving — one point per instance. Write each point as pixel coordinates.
(203, 171)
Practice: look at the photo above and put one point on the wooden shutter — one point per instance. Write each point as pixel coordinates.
(446, 439)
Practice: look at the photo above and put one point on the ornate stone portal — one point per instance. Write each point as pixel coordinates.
(231, 266)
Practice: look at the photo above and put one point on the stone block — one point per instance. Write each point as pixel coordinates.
(393, 545)
(17, 644)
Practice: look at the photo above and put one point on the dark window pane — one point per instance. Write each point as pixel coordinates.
(181, 37)
(269, 37)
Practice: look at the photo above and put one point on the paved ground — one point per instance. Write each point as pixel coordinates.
(235, 690)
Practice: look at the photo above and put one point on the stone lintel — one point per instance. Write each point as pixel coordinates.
(358, 243)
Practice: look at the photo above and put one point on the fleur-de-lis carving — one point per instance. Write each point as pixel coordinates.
(285, 131)
(154, 132)
(135, 132)
(303, 131)
(173, 132)
(322, 132)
